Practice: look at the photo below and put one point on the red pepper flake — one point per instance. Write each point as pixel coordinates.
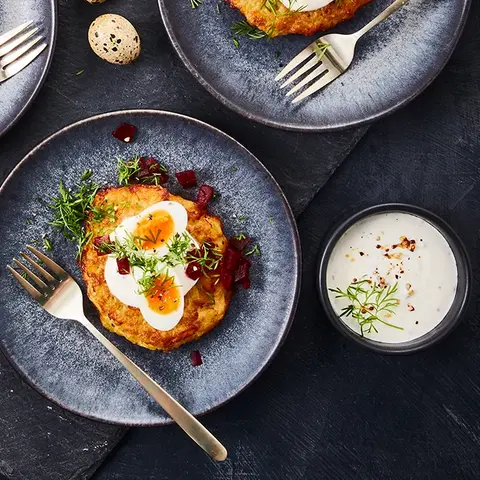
(187, 179)
(410, 307)
(204, 195)
(125, 132)
(123, 266)
(196, 358)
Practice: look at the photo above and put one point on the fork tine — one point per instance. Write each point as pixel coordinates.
(323, 82)
(311, 76)
(18, 52)
(54, 267)
(15, 31)
(26, 285)
(308, 66)
(34, 277)
(39, 269)
(301, 57)
(24, 61)
(9, 46)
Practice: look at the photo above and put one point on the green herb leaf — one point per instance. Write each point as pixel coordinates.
(80, 72)
(255, 249)
(244, 28)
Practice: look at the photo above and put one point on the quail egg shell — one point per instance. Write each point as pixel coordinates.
(114, 39)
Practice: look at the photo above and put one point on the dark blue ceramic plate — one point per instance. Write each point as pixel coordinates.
(60, 358)
(18, 93)
(394, 62)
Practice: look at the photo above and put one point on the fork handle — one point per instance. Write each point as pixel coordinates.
(396, 5)
(182, 417)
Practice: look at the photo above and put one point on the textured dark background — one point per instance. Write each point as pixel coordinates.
(325, 409)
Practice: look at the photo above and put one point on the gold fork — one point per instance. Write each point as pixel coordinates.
(58, 293)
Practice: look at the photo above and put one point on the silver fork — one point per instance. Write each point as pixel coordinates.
(58, 293)
(18, 48)
(331, 55)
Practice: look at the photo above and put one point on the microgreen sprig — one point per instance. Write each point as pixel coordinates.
(367, 302)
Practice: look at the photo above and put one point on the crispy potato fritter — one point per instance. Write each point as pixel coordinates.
(205, 304)
(261, 14)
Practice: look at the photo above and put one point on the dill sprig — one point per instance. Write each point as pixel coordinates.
(195, 3)
(320, 49)
(273, 7)
(178, 247)
(244, 28)
(367, 302)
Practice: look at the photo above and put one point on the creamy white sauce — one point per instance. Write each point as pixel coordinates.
(427, 276)
(305, 5)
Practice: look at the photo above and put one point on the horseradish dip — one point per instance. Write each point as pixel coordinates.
(305, 5)
(392, 277)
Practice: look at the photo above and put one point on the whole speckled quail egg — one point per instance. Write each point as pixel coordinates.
(114, 39)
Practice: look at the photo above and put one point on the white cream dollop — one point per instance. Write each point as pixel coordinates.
(305, 5)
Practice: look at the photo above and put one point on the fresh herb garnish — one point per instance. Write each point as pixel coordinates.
(240, 236)
(47, 244)
(127, 170)
(80, 72)
(320, 49)
(71, 209)
(255, 249)
(242, 219)
(235, 42)
(273, 6)
(367, 302)
(244, 28)
(87, 173)
(195, 3)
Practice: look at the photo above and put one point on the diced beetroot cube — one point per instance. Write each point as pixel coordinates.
(196, 358)
(193, 271)
(123, 266)
(242, 273)
(103, 245)
(147, 162)
(125, 132)
(226, 278)
(187, 179)
(204, 195)
(231, 257)
(239, 243)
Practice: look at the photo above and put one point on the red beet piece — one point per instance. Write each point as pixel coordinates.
(231, 257)
(226, 278)
(103, 244)
(147, 162)
(187, 179)
(239, 243)
(204, 195)
(125, 132)
(196, 358)
(193, 271)
(123, 266)
(242, 273)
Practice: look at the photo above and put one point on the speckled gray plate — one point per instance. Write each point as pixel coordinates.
(18, 93)
(394, 62)
(61, 359)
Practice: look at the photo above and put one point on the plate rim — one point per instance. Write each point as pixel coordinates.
(297, 255)
(308, 128)
(45, 71)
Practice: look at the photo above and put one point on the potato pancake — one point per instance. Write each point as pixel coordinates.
(205, 304)
(285, 21)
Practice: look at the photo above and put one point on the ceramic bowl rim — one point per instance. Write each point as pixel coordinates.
(460, 302)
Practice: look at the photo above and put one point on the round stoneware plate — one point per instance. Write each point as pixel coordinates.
(60, 358)
(17, 93)
(392, 65)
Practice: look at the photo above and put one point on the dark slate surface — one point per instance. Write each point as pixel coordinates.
(326, 408)
(301, 163)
